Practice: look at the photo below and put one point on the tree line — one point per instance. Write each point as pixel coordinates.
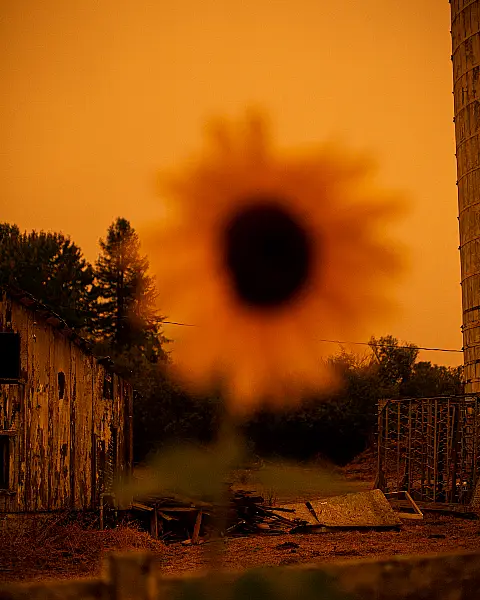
(112, 304)
(343, 424)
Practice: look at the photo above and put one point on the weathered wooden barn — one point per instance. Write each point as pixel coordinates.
(65, 416)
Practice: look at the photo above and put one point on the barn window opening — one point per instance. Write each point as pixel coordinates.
(4, 462)
(9, 356)
(108, 386)
(61, 385)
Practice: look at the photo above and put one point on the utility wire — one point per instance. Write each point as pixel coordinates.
(414, 347)
(344, 342)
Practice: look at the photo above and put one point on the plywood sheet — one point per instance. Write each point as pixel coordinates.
(363, 509)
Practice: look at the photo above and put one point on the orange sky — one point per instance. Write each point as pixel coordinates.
(97, 95)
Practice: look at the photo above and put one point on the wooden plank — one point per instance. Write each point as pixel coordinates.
(167, 517)
(360, 510)
(196, 529)
(140, 506)
(417, 514)
(155, 524)
(178, 509)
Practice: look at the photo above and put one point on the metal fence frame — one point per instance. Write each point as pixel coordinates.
(430, 447)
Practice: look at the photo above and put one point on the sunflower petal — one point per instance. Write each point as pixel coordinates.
(271, 354)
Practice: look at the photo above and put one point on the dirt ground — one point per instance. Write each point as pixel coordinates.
(65, 550)
(79, 554)
(435, 534)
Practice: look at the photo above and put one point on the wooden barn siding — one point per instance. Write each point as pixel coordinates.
(81, 440)
(55, 465)
(466, 89)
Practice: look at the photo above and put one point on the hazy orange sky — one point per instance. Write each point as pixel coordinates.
(97, 95)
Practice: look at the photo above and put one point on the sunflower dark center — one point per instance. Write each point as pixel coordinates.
(268, 254)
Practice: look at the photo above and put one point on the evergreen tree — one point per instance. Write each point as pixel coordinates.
(125, 296)
(51, 268)
(9, 252)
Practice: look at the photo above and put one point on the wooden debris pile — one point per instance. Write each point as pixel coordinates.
(256, 516)
(244, 513)
(194, 522)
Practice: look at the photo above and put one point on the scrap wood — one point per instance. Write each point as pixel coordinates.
(272, 515)
(320, 528)
(411, 504)
(154, 525)
(167, 517)
(246, 512)
(245, 497)
(308, 528)
(279, 509)
(140, 506)
(452, 510)
(312, 511)
(177, 500)
(361, 510)
(182, 509)
(196, 529)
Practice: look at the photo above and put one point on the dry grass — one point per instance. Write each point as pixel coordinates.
(59, 546)
(362, 468)
(50, 548)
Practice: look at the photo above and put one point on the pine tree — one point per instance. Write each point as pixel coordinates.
(125, 296)
(51, 268)
(9, 253)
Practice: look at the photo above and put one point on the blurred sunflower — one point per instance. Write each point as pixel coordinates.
(266, 254)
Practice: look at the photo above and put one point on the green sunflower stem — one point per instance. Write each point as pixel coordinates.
(230, 446)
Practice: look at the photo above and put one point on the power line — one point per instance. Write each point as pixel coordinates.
(344, 342)
(391, 346)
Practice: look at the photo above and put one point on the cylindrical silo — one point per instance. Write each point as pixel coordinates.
(465, 15)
